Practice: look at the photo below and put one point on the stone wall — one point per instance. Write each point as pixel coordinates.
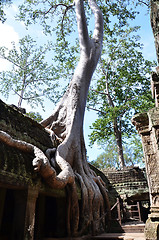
(129, 183)
(20, 187)
(147, 125)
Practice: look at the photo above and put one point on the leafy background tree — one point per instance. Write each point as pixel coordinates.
(31, 78)
(35, 115)
(121, 88)
(133, 154)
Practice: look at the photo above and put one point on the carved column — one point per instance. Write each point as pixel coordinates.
(147, 125)
(30, 213)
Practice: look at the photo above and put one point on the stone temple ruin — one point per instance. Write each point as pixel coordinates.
(27, 203)
(130, 187)
(147, 125)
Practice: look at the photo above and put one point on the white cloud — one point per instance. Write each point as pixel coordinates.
(8, 35)
(15, 8)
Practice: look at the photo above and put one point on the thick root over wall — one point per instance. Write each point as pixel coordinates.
(88, 215)
(91, 213)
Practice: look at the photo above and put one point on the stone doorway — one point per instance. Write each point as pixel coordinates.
(50, 217)
(12, 214)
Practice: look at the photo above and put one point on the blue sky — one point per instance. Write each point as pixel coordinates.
(12, 30)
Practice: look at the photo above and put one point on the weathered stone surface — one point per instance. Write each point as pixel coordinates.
(150, 141)
(22, 127)
(141, 122)
(151, 229)
(16, 170)
(128, 183)
(17, 173)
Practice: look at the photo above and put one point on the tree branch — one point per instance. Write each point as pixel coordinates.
(98, 30)
(52, 7)
(103, 93)
(67, 8)
(82, 26)
(105, 72)
(148, 5)
(97, 110)
(8, 59)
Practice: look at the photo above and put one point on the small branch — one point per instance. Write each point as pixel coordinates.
(26, 98)
(148, 5)
(67, 8)
(49, 10)
(97, 110)
(9, 60)
(103, 93)
(109, 98)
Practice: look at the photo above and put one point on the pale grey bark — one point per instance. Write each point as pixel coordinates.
(67, 119)
(41, 163)
(66, 125)
(66, 122)
(118, 138)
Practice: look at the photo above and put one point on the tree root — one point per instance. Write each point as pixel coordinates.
(41, 163)
(89, 215)
(94, 211)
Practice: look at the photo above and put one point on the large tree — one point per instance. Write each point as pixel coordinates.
(66, 126)
(30, 77)
(116, 16)
(66, 122)
(122, 88)
(109, 158)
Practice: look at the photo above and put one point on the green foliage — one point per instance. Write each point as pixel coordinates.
(35, 115)
(123, 73)
(31, 78)
(133, 154)
(2, 13)
(58, 18)
(122, 85)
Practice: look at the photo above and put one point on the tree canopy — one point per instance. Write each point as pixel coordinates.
(2, 13)
(133, 154)
(31, 78)
(58, 18)
(117, 16)
(121, 88)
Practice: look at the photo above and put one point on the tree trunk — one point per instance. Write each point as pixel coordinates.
(118, 138)
(66, 124)
(117, 131)
(20, 98)
(92, 213)
(155, 24)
